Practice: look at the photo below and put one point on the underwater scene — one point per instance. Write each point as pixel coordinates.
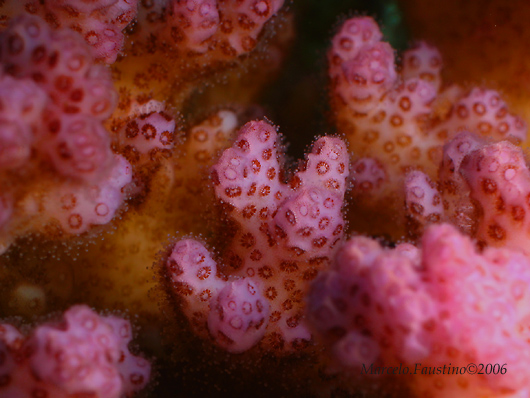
(289, 198)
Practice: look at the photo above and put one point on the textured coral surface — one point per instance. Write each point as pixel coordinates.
(83, 354)
(146, 190)
(284, 234)
(440, 304)
(481, 42)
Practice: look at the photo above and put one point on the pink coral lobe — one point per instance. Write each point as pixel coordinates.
(85, 353)
(100, 22)
(239, 315)
(222, 28)
(499, 182)
(21, 111)
(286, 233)
(444, 302)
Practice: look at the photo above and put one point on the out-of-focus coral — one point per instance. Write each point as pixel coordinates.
(59, 174)
(176, 46)
(99, 22)
(283, 234)
(442, 305)
(482, 188)
(83, 354)
(402, 121)
(481, 43)
(220, 28)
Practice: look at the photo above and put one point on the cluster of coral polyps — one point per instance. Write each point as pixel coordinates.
(283, 235)
(442, 305)
(480, 42)
(398, 123)
(100, 23)
(83, 354)
(90, 109)
(58, 171)
(482, 188)
(175, 46)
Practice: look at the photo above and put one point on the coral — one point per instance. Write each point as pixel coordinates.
(479, 42)
(61, 63)
(59, 172)
(402, 121)
(284, 234)
(83, 354)
(177, 46)
(23, 103)
(499, 182)
(221, 29)
(76, 208)
(148, 137)
(139, 173)
(100, 22)
(423, 202)
(482, 188)
(112, 269)
(443, 304)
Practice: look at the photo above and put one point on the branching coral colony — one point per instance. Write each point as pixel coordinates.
(194, 224)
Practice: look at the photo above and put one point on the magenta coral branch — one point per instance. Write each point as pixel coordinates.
(285, 234)
(83, 354)
(402, 120)
(56, 161)
(442, 303)
(225, 29)
(99, 22)
(483, 189)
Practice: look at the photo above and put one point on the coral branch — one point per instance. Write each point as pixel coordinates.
(56, 162)
(99, 22)
(284, 235)
(84, 354)
(402, 121)
(442, 304)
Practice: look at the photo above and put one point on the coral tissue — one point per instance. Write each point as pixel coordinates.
(285, 233)
(82, 354)
(138, 177)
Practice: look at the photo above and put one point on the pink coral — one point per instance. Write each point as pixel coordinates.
(403, 120)
(81, 95)
(78, 207)
(239, 314)
(99, 22)
(368, 176)
(499, 182)
(441, 304)
(148, 137)
(61, 63)
(422, 200)
(284, 234)
(84, 354)
(482, 188)
(53, 104)
(21, 111)
(424, 61)
(225, 29)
